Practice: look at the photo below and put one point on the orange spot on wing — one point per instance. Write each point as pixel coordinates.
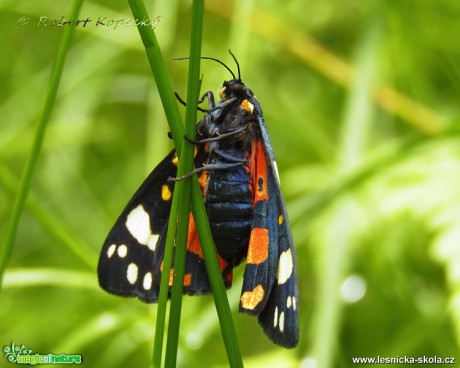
(259, 171)
(229, 276)
(202, 180)
(187, 278)
(258, 246)
(193, 244)
(250, 299)
(222, 262)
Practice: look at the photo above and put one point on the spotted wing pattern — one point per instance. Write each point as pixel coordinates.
(131, 259)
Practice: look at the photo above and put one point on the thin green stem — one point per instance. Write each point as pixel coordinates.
(24, 185)
(164, 284)
(183, 188)
(160, 73)
(174, 119)
(215, 279)
(199, 212)
(182, 191)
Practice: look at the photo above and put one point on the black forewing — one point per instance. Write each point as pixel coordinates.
(280, 317)
(129, 264)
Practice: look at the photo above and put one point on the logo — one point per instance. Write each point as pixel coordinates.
(21, 355)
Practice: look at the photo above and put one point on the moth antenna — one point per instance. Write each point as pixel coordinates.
(216, 60)
(221, 63)
(237, 64)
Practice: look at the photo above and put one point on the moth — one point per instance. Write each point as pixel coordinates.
(239, 179)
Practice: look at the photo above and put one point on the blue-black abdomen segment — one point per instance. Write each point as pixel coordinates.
(229, 207)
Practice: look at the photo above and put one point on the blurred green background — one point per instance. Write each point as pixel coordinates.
(361, 99)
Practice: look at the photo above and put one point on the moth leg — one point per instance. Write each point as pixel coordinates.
(182, 102)
(223, 104)
(209, 95)
(218, 138)
(212, 104)
(210, 167)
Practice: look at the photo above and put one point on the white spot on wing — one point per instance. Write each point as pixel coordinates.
(285, 267)
(294, 302)
(152, 242)
(131, 273)
(275, 167)
(275, 319)
(288, 302)
(138, 224)
(111, 250)
(122, 251)
(147, 283)
(281, 323)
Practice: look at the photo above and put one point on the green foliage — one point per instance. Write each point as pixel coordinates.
(361, 101)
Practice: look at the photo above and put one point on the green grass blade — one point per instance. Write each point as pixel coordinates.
(174, 119)
(183, 188)
(182, 191)
(173, 116)
(157, 64)
(24, 186)
(164, 285)
(215, 278)
(199, 211)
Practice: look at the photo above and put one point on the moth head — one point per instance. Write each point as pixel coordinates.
(232, 88)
